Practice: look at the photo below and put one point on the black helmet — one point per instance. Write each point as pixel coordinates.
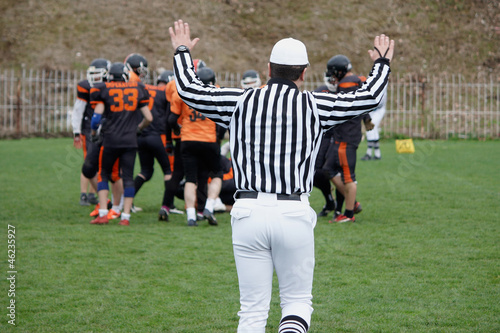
(138, 64)
(250, 79)
(118, 72)
(165, 76)
(98, 70)
(338, 66)
(206, 75)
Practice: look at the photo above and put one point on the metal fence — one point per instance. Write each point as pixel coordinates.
(40, 103)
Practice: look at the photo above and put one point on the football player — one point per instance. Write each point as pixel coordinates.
(80, 121)
(118, 102)
(250, 79)
(200, 153)
(152, 141)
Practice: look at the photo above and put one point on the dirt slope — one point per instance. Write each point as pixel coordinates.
(433, 36)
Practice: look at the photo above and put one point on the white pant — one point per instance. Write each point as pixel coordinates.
(270, 233)
(377, 115)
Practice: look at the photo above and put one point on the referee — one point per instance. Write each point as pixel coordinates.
(275, 134)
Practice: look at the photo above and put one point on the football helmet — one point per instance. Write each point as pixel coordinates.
(336, 68)
(250, 79)
(198, 64)
(98, 70)
(165, 76)
(118, 72)
(206, 75)
(138, 64)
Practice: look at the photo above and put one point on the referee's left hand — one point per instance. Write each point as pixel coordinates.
(181, 35)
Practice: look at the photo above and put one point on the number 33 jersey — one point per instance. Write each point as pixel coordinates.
(122, 102)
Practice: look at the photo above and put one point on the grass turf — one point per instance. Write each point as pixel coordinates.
(423, 256)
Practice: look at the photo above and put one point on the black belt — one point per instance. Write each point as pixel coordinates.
(254, 195)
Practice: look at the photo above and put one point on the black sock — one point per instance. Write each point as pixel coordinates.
(322, 182)
(165, 195)
(340, 200)
(349, 213)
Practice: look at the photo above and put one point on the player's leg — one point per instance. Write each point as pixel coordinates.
(321, 180)
(107, 157)
(127, 162)
(373, 136)
(146, 160)
(157, 145)
(254, 264)
(190, 160)
(347, 158)
(293, 256)
(212, 156)
(172, 185)
(90, 147)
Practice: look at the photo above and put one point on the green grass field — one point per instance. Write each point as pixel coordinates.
(423, 256)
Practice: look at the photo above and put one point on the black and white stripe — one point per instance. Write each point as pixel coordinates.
(275, 131)
(293, 324)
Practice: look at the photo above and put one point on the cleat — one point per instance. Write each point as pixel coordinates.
(199, 216)
(327, 209)
(124, 222)
(377, 158)
(173, 210)
(219, 206)
(135, 209)
(357, 208)
(93, 200)
(163, 214)
(342, 219)
(95, 212)
(112, 214)
(210, 217)
(366, 158)
(100, 220)
(192, 223)
(84, 201)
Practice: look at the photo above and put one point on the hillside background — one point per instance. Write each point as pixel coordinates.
(432, 36)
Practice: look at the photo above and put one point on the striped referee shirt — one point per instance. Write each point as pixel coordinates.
(275, 131)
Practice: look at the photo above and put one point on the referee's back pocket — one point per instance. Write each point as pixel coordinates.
(239, 213)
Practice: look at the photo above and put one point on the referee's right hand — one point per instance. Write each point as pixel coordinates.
(383, 47)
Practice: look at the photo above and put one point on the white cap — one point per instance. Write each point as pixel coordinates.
(289, 51)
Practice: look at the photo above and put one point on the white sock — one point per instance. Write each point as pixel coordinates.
(376, 146)
(103, 212)
(191, 213)
(125, 216)
(210, 205)
(116, 208)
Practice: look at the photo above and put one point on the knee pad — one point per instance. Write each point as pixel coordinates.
(89, 170)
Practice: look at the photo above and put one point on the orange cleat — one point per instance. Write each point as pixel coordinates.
(342, 219)
(112, 214)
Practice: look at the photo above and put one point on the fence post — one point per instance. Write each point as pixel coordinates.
(18, 108)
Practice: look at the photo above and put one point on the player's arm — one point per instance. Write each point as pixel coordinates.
(76, 121)
(147, 117)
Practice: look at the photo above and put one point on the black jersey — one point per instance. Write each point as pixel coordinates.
(160, 109)
(83, 93)
(122, 101)
(350, 131)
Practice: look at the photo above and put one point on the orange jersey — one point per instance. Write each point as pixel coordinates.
(171, 90)
(195, 126)
(132, 77)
